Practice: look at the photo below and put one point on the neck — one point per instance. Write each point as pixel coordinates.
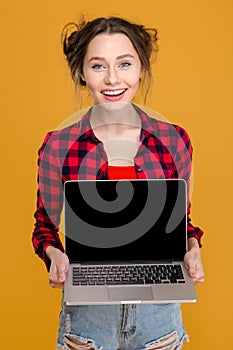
(114, 114)
(115, 121)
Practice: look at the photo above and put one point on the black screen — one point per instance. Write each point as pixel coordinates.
(125, 220)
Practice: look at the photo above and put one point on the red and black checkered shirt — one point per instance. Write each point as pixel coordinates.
(75, 153)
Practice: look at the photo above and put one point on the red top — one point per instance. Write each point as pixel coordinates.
(121, 172)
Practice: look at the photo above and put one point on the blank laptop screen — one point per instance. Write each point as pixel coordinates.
(125, 220)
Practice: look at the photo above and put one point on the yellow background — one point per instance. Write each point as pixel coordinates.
(192, 87)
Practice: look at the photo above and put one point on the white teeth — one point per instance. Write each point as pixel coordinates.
(113, 93)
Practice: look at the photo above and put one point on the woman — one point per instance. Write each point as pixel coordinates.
(111, 57)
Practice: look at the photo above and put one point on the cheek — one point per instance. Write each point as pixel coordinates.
(90, 80)
(91, 86)
(135, 78)
(135, 83)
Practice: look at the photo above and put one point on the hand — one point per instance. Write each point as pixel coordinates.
(59, 267)
(193, 263)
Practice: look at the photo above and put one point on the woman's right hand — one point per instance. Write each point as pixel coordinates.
(59, 267)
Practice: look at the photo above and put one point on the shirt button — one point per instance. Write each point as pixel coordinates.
(139, 170)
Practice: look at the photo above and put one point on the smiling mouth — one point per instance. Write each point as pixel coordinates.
(113, 92)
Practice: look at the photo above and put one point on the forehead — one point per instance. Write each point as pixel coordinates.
(110, 45)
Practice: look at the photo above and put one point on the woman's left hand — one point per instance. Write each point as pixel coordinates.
(193, 263)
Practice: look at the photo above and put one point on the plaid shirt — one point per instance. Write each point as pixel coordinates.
(75, 153)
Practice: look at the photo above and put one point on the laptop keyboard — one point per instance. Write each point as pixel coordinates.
(127, 274)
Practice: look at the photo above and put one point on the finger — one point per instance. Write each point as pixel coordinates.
(58, 270)
(200, 277)
(62, 271)
(198, 281)
(54, 284)
(192, 266)
(55, 277)
(53, 273)
(197, 273)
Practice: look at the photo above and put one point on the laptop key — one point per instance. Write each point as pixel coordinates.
(91, 283)
(149, 281)
(172, 280)
(157, 281)
(76, 283)
(124, 282)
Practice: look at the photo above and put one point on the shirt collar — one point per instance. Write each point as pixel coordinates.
(85, 129)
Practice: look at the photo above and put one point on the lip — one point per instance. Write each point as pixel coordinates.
(113, 98)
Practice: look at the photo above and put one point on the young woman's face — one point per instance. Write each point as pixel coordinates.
(111, 68)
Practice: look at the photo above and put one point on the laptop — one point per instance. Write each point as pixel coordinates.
(126, 241)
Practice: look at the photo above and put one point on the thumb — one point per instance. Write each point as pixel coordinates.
(62, 270)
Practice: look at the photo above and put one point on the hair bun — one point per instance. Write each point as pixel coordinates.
(68, 37)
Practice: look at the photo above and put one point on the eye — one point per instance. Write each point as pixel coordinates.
(125, 65)
(98, 66)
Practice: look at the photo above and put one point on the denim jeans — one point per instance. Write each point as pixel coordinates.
(121, 327)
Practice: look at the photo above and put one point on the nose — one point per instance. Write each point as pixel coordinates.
(112, 76)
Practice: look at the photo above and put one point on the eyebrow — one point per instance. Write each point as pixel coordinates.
(103, 59)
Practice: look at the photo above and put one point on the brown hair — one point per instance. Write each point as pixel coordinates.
(75, 39)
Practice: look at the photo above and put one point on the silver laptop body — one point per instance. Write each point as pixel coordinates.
(126, 241)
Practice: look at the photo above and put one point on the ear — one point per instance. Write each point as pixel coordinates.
(82, 76)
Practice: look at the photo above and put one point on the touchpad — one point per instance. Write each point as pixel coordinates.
(130, 293)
